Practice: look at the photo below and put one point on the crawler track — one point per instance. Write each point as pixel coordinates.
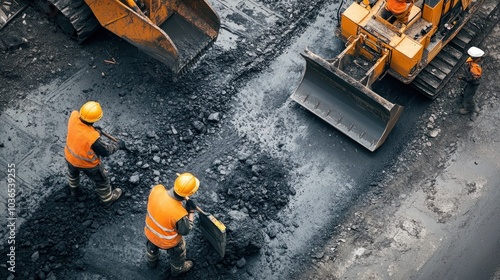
(439, 71)
(74, 17)
(79, 15)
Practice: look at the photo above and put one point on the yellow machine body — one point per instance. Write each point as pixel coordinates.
(376, 45)
(172, 31)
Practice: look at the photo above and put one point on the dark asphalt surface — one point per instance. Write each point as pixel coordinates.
(329, 170)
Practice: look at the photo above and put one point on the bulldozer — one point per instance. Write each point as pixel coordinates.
(424, 52)
(175, 32)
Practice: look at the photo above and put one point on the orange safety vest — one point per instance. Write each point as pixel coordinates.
(79, 140)
(475, 69)
(397, 6)
(163, 214)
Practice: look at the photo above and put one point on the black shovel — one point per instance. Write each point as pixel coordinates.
(213, 230)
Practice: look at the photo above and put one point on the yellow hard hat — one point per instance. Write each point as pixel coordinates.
(91, 112)
(186, 184)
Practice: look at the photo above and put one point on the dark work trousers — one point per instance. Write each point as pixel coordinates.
(176, 254)
(97, 174)
(468, 96)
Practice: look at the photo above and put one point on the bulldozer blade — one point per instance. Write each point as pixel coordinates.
(345, 103)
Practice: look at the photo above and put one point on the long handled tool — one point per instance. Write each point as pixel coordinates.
(213, 230)
(112, 138)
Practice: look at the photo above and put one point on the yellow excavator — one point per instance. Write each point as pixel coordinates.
(424, 52)
(175, 32)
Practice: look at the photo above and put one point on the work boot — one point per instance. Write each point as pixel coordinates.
(152, 258)
(152, 264)
(74, 191)
(463, 111)
(185, 268)
(115, 194)
(473, 116)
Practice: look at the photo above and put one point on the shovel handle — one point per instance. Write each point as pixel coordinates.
(112, 138)
(199, 210)
(109, 136)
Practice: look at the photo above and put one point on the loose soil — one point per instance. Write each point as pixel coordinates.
(248, 187)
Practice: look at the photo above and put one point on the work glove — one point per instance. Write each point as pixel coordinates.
(190, 206)
(121, 145)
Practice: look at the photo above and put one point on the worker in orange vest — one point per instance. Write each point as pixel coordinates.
(170, 216)
(400, 9)
(83, 150)
(472, 75)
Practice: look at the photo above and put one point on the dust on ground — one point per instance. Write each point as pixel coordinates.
(247, 186)
(46, 249)
(430, 193)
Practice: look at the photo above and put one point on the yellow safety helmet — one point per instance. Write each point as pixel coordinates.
(186, 184)
(91, 112)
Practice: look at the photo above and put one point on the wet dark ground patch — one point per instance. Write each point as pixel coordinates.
(251, 188)
(51, 241)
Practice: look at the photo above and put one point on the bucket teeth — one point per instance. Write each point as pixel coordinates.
(191, 63)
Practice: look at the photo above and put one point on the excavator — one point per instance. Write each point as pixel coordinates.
(424, 52)
(175, 32)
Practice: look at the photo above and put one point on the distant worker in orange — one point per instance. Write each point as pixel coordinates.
(400, 9)
(472, 75)
(168, 220)
(83, 150)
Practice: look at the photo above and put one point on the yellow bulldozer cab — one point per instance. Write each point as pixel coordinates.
(174, 32)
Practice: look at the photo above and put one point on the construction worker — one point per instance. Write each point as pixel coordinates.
(400, 9)
(472, 75)
(83, 150)
(167, 221)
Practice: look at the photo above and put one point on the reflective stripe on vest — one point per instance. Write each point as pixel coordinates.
(161, 227)
(161, 235)
(79, 140)
(91, 160)
(163, 213)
